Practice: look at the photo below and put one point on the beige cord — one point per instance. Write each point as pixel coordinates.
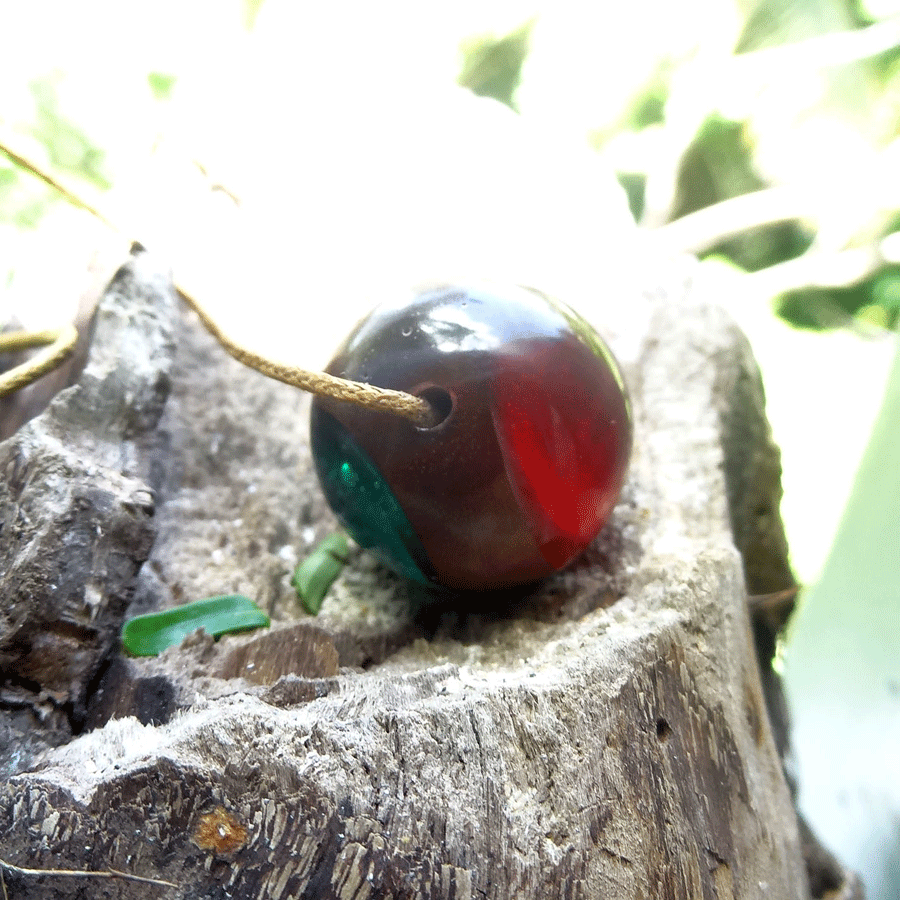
(62, 343)
(409, 406)
(416, 409)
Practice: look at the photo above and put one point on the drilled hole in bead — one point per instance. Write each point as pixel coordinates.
(441, 401)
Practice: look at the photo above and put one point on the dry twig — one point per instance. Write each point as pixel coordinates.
(80, 873)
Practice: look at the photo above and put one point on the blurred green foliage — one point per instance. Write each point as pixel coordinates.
(717, 166)
(161, 84)
(68, 147)
(492, 67)
(23, 200)
(22, 203)
(251, 11)
(875, 301)
(768, 23)
(720, 162)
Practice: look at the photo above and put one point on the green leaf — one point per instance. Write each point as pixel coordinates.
(315, 575)
(842, 670)
(149, 635)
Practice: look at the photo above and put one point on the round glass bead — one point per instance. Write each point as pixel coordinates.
(526, 462)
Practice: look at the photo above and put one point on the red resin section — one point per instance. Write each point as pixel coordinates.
(563, 450)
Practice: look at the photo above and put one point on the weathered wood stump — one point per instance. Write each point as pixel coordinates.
(605, 735)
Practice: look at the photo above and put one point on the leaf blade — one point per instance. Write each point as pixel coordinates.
(315, 575)
(150, 634)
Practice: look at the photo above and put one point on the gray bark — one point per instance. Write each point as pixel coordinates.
(603, 736)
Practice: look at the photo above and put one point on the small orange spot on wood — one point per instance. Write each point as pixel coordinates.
(220, 832)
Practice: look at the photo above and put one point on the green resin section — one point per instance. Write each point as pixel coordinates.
(362, 500)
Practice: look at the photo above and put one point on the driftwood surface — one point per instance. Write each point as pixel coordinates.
(605, 735)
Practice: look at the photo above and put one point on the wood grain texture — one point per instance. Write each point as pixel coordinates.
(603, 736)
